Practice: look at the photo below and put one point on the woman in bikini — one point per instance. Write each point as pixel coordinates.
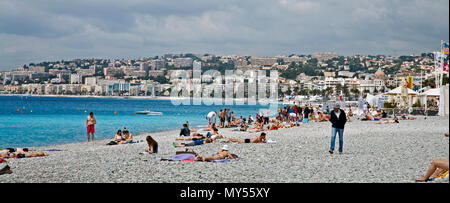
(221, 154)
(258, 139)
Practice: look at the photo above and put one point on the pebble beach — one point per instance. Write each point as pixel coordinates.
(388, 153)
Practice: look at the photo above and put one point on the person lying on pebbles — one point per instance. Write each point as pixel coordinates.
(27, 154)
(258, 139)
(214, 135)
(393, 121)
(194, 143)
(19, 153)
(436, 168)
(221, 154)
(127, 136)
(404, 117)
(13, 150)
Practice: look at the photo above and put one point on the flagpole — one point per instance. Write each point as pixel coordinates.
(441, 68)
(435, 69)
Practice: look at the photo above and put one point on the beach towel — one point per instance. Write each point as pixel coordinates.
(180, 157)
(54, 150)
(443, 175)
(226, 160)
(305, 120)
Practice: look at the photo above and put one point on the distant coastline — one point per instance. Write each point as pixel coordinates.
(142, 97)
(88, 96)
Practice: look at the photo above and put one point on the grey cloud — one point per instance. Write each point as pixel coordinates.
(51, 29)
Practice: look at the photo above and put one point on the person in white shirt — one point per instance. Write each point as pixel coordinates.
(211, 117)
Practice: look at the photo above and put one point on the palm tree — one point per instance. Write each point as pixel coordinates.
(355, 92)
(329, 91)
(338, 88)
(346, 91)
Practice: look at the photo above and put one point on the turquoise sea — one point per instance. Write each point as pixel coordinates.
(40, 121)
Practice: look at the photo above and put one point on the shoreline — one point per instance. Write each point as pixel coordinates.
(139, 138)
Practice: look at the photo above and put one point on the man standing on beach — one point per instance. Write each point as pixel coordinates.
(228, 115)
(90, 124)
(306, 112)
(338, 120)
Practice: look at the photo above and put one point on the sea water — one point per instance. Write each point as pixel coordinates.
(39, 121)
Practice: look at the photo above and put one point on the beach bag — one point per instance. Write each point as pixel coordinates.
(112, 143)
(305, 120)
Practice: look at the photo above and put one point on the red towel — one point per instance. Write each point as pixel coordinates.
(193, 159)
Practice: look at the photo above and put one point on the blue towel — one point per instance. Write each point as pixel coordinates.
(226, 160)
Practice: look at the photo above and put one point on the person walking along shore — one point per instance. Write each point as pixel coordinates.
(338, 120)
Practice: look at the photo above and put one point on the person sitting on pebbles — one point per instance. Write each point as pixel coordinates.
(118, 138)
(127, 136)
(214, 135)
(6, 169)
(152, 145)
(221, 154)
(258, 139)
(321, 117)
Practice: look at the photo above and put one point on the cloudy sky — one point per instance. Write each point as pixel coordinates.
(50, 30)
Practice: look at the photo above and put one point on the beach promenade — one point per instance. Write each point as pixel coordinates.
(391, 153)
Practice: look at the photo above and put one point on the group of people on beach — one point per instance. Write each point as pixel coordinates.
(122, 137)
(211, 134)
(287, 117)
(18, 153)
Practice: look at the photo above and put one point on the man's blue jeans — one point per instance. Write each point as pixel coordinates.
(334, 131)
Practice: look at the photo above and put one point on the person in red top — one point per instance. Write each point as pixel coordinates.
(90, 124)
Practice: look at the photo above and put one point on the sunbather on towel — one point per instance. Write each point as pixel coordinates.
(24, 155)
(13, 150)
(258, 139)
(436, 168)
(214, 135)
(194, 143)
(393, 121)
(221, 154)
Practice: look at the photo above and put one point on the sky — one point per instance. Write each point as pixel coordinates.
(52, 30)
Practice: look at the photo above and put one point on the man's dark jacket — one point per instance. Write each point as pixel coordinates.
(338, 122)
